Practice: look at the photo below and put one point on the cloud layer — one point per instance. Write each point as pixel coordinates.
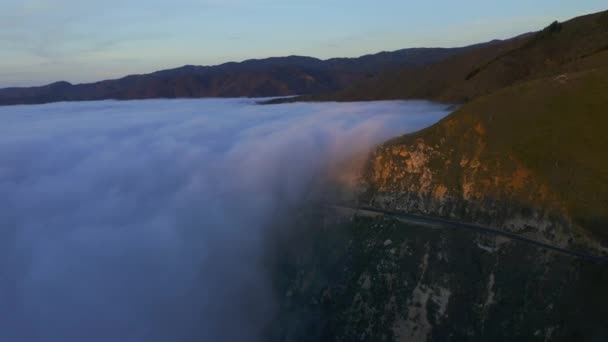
(146, 220)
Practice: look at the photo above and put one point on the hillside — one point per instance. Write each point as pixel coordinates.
(525, 151)
(527, 158)
(279, 76)
(560, 47)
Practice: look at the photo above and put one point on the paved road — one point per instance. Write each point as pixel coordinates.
(444, 223)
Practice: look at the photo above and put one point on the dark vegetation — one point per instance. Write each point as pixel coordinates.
(349, 284)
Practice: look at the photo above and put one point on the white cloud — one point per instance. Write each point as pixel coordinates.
(146, 220)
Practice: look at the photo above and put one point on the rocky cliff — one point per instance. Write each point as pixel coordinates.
(433, 179)
(526, 159)
(378, 279)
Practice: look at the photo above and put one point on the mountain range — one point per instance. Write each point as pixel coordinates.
(277, 76)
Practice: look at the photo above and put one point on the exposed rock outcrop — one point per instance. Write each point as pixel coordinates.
(526, 159)
(440, 181)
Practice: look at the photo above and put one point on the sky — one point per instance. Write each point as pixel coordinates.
(43, 41)
(152, 220)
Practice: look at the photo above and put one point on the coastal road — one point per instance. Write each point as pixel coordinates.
(436, 222)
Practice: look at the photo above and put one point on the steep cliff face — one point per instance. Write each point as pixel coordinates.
(471, 186)
(526, 159)
(378, 279)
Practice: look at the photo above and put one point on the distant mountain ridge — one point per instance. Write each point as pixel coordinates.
(276, 76)
(571, 46)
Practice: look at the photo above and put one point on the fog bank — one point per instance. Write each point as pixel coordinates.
(146, 220)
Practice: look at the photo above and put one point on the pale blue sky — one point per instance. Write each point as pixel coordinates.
(80, 40)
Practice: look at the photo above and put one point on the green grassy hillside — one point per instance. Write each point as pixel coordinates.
(553, 129)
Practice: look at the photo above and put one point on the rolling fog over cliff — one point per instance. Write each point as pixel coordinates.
(147, 220)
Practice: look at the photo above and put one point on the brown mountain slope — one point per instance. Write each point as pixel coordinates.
(558, 48)
(528, 158)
